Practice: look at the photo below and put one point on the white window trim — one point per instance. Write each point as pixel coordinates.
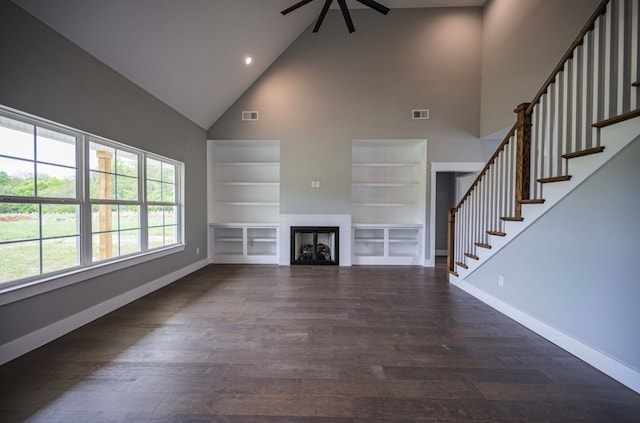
(13, 291)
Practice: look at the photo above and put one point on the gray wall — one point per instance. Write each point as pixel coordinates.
(44, 74)
(330, 88)
(574, 269)
(523, 40)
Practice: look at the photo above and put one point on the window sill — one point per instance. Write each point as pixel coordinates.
(20, 291)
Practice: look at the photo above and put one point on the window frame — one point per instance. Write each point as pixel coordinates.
(88, 267)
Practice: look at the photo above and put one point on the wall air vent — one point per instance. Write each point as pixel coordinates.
(250, 115)
(420, 114)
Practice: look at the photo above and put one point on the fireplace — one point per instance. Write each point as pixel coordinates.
(315, 245)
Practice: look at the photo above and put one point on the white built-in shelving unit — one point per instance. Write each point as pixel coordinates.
(244, 201)
(388, 194)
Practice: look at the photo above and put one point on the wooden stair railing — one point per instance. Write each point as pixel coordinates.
(586, 86)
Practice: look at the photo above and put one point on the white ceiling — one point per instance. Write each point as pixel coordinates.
(190, 53)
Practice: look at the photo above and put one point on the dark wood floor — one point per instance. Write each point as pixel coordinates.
(308, 344)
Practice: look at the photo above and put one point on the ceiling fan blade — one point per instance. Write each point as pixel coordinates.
(375, 6)
(295, 6)
(323, 13)
(347, 15)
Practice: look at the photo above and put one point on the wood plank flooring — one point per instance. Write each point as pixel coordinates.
(308, 344)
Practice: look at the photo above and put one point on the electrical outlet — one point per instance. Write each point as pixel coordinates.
(501, 281)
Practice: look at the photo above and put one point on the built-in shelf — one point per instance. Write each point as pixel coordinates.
(244, 201)
(244, 243)
(388, 193)
(387, 245)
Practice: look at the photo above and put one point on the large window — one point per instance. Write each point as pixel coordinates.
(70, 200)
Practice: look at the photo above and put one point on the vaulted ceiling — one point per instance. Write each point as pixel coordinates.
(190, 53)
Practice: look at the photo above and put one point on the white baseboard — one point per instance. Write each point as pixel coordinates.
(606, 364)
(36, 339)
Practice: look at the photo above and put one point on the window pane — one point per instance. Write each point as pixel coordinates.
(168, 173)
(16, 178)
(56, 181)
(55, 147)
(60, 253)
(129, 242)
(60, 220)
(127, 188)
(155, 216)
(154, 191)
(170, 216)
(101, 157)
(170, 235)
(156, 237)
(104, 246)
(129, 217)
(16, 138)
(19, 221)
(104, 217)
(154, 170)
(126, 163)
(168, 193)
(102, 186)
(19, 260)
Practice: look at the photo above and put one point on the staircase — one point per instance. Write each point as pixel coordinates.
(587, 111)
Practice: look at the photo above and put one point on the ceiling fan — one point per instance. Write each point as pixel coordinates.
(343, 7)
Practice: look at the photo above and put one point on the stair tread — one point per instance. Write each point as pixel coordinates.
(472, 256)
(562, 178)
(483, 245)
(453, 273)
(532, 201)
(617, 119)
(512, 219)
(496, 233)
(636, 84)
(464, 266)
(581, 153)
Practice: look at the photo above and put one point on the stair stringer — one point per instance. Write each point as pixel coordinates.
(614, 138)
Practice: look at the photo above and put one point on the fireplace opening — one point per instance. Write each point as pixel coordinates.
(315, 245)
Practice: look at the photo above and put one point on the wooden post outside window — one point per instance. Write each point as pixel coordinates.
(523, 157)
(104, 210)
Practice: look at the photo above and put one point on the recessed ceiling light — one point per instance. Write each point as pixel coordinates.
(248, 60)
